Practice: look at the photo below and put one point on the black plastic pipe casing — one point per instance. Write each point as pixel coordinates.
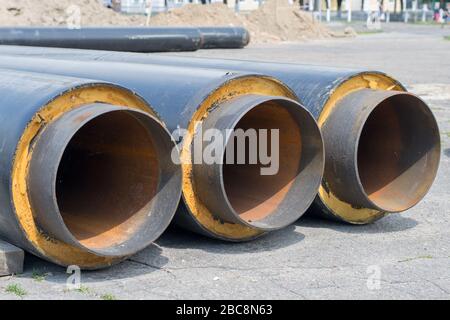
(129, 39)
(175, 92)
(224, 37)
(312, 84)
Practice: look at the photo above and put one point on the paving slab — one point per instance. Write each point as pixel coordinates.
(11, 259)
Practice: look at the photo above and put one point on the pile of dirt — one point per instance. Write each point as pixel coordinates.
(215, 14)
(275, 21)
(61, 12)
(278, 20)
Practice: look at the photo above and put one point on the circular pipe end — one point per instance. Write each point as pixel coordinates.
(100, 177)
(383, 150)
(269, 166)
(398, 153)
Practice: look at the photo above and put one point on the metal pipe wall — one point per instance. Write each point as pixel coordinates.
(321, 89)
(185, 97)
(66, 197)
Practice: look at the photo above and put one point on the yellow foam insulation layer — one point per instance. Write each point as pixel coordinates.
(234, 88)
(339, 208)
(52, 249)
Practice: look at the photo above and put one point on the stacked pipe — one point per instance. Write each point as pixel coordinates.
(381, 151)
(129, 39)
(382, 143)
(76, 200)
(222, 100)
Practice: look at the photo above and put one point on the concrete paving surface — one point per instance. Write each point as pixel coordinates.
(404, 256)
(11, 259)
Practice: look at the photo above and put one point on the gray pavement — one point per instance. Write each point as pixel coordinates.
(409, 253)
(11, 259)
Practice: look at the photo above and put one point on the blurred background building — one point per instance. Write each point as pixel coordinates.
(336, 6)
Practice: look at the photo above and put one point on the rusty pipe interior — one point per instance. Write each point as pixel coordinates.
(249, 189)
(252, 195)
(398, 153)
(390, 141)
(109, 174)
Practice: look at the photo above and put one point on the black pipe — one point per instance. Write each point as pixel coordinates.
(320, 89)
(71, 199)
(130, 39)
(183, 98)
(224, 37)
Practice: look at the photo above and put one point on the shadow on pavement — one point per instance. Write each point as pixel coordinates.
(175, 238)
(35, 268)
(389, 224)
(180, 239)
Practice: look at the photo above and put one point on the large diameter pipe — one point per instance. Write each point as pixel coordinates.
(224, 37)
(85, 170)
(130, 39)
(245, 204)
(241, 193)
(392, 151)
(384, 149)
(382, 144)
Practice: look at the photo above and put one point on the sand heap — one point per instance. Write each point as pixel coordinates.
(216, 14)
(274, 21)
(60, 12)
(284, 22)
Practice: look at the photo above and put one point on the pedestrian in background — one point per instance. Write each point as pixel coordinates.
(437, 15)
(444, 17)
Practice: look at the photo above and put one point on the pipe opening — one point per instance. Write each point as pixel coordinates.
(398, 153)
(106, 180)
(268, 168)
(271, 201)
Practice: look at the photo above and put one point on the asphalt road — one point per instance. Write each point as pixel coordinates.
(408, 253)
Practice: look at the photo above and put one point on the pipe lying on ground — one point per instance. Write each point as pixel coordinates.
(382, 144)
(384, 147)
(240, 193)
(390, 138)
(72, 199)
(224, 37)
(244, 204)
(130, 39)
